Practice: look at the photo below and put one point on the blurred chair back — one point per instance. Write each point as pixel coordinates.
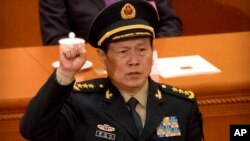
(19, 19)
(213, 16)
(19, 23)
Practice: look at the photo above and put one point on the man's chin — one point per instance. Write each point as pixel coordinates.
(135, 82)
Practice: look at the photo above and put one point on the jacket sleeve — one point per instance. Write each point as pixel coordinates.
(53, 21)
(43, 119)
(170, 24)
(195, 126)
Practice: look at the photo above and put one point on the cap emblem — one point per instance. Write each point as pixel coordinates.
(128, 11)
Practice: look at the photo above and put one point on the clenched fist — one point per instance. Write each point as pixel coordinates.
(71, 59)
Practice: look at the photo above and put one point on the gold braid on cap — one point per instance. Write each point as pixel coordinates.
(131, 34)
(124, 28)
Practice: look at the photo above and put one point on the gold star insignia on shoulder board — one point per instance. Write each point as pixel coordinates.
(189, 94)
(88, 86)
(91, 86)
(76, 87)
(79, 86)
(158, 95)
(175, 89)
(85, 85)
(181, 91)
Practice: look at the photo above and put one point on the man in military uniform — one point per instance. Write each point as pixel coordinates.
(127, 105)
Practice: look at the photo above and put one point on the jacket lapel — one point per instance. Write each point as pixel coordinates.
(118, 111)
(155, 110)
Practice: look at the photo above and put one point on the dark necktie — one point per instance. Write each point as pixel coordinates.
(132, 104)
(108, 2)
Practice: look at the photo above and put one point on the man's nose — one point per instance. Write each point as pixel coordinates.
(134, 59)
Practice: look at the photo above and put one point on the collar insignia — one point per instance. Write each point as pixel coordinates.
(158, 95)
(108, 94)
(128, 11)
(169, 127)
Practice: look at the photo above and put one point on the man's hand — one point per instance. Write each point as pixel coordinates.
(71, 60)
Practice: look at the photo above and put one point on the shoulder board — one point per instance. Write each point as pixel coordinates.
(93, 85)
(185, 94)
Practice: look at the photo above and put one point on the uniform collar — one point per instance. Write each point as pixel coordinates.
(140, 96)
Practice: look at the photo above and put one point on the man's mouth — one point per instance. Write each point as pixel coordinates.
(134, 74)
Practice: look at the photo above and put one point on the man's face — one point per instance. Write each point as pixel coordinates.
(129, 62)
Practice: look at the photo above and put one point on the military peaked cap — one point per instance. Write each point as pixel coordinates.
(121, 20)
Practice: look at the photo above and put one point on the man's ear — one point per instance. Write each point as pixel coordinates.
(103, 57)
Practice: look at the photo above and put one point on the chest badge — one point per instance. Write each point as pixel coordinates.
(169, 127)
(105, 127)
(104, 132)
